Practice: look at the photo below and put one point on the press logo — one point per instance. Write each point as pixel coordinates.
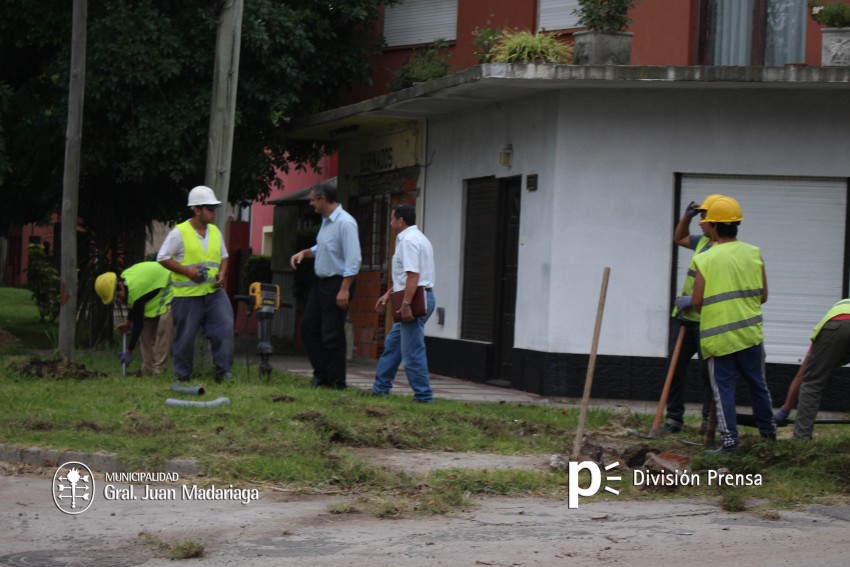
(575, 490)
(73, 488)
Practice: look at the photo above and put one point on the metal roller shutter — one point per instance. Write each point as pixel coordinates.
(557, 15)
(800, 226)
(420, 21)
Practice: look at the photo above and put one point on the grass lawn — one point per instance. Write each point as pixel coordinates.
(285, 434)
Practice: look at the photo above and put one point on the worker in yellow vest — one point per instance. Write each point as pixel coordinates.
(685, 316)
(730, 286)
(194, 251)
(830, 349)
(145, 289)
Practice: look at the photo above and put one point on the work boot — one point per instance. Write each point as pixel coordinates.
(673, 426)
(722, 450)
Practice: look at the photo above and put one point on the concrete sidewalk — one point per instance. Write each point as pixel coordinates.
(361, 374)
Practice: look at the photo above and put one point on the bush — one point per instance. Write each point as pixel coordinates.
(43, 282)
(604, 15)
(424, 65)
(526, 47)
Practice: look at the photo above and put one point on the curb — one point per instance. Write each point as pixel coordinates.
(101, 462)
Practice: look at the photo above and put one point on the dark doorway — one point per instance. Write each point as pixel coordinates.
(491, 242)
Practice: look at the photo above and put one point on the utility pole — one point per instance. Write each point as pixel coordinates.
(223, 107)
(71, 182)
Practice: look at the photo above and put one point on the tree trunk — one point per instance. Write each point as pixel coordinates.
(71, 182)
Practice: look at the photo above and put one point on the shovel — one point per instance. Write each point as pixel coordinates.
(123, 350)
(655, 432)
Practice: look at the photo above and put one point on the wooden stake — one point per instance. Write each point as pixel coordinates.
(591, 367)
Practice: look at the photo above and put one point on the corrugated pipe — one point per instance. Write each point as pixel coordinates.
(197, 390)
(222, 401)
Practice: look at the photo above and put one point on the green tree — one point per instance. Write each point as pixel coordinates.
(148, 85)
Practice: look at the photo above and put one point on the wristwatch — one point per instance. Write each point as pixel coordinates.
(403, 303)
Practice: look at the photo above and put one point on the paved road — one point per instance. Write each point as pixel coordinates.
(286, 529)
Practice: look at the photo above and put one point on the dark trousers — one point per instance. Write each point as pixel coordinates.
(690, 347)
(323, 332)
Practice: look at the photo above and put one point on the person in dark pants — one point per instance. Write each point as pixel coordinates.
(337, 263)
(684, 315)
(830, 349)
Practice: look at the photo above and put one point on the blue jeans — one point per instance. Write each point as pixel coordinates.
(406, 342)
(723, 371)
(215, 314)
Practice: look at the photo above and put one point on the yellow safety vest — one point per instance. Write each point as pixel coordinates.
(840, 308)
(194, 255)
(731, 318)
(142, 279)
(691, 314)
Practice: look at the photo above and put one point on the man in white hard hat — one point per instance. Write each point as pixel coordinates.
(195, 252)
(145, 289)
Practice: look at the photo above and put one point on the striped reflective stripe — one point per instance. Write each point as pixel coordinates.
(714, 331)
(737, 294)
(692, 273)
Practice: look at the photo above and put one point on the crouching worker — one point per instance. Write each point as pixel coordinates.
(145, 289)
(830, 349)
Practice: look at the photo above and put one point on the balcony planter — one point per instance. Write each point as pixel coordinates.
(602, 48)
(835, 47)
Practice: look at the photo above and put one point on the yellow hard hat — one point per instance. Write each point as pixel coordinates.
(706, 203)
(104, 286)
(724, 209)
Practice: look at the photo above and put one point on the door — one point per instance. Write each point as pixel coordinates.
(491, 240)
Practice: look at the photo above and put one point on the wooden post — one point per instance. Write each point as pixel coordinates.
(591, 367)
(223, 106)
(71, 182)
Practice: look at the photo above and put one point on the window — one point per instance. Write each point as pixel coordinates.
(752, 32)
(372, 214)
(417, 22)
(556, 15)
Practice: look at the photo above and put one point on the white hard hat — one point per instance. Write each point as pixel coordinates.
(202, 195)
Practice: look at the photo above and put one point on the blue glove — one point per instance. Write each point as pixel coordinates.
(684, 302)
(691, 210)
(781, 416)
(125, 357)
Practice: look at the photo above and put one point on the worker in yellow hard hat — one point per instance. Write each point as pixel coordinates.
(729, 289)
(685, 317)
(145, 289)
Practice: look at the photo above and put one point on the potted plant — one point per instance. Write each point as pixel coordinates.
(605, 42)
(424, 65)
(835, 37)
(515, 46)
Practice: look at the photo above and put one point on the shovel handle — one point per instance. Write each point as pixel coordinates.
(674, 360)
(123, 349)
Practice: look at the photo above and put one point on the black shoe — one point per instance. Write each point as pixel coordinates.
(673, 426)
(769, 437)
(730, 450)
(224, 377)
(182, 378)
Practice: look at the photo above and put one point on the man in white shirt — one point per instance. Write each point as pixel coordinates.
(195, 252)
(412, 267)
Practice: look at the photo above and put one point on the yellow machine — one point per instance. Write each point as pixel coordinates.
(264, 300)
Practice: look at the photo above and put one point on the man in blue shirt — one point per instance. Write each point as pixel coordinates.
(337, 263)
